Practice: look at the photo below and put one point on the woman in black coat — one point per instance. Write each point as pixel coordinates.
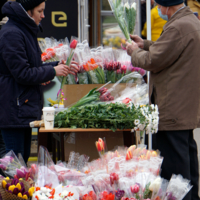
(22, 73)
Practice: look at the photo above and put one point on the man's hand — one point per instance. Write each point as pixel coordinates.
(131, 47)
(138, 40)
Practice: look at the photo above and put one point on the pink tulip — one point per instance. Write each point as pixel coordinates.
(20, 173)
(135, 188)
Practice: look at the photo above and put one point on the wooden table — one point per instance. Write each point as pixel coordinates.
(58, 138)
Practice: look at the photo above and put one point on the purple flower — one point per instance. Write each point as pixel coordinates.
(119, 194)
(16, 191)
(26, 193)
(14, 181)
(22, 190)
(8, 185)
(22, 184)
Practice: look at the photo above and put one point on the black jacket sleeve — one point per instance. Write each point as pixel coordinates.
(15, 58)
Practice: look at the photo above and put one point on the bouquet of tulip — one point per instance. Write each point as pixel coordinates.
(95, 72)
(11, 166)
(54, 50)
(16, 189)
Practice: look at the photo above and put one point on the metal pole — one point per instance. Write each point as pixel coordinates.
(148, 10)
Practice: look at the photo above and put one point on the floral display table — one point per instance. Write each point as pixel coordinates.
(58, 135)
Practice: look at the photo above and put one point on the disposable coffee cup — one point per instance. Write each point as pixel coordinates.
(48, 114)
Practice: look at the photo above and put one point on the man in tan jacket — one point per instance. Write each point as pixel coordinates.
(174, 64)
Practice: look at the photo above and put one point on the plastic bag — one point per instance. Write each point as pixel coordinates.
(47, 175)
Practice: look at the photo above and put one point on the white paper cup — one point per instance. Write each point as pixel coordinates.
(48, 114)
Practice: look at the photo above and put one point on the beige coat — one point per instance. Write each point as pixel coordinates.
(174, 62)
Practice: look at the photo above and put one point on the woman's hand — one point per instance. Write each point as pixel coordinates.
(138, 40)
(46, 83)
(61, 70)
(73, 68)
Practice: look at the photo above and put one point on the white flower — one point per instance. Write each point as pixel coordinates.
(155, 186)
(152, 106)
(156, 108)
(134, 5)
(126, 5)
(136, 122)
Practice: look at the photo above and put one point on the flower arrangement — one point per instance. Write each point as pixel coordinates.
(17, 188)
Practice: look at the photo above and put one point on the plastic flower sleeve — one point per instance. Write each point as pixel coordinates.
(117, 7)
(178, 187)
(47, 175)
(78, 57)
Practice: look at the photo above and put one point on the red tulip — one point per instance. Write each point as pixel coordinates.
(73, 44)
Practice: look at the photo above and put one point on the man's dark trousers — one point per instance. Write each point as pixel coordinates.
(179, 150)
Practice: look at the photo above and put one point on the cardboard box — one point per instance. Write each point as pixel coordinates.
(74, 93)
(84, 143)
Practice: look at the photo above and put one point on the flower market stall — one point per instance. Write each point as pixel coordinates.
(107, 94)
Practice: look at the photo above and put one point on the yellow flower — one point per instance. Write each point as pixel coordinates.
(19, 194)
(4, 184)
(11, 188)
(20, 179)
(31, 191)
(18, 186)
(24, 197)
(7, 178)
